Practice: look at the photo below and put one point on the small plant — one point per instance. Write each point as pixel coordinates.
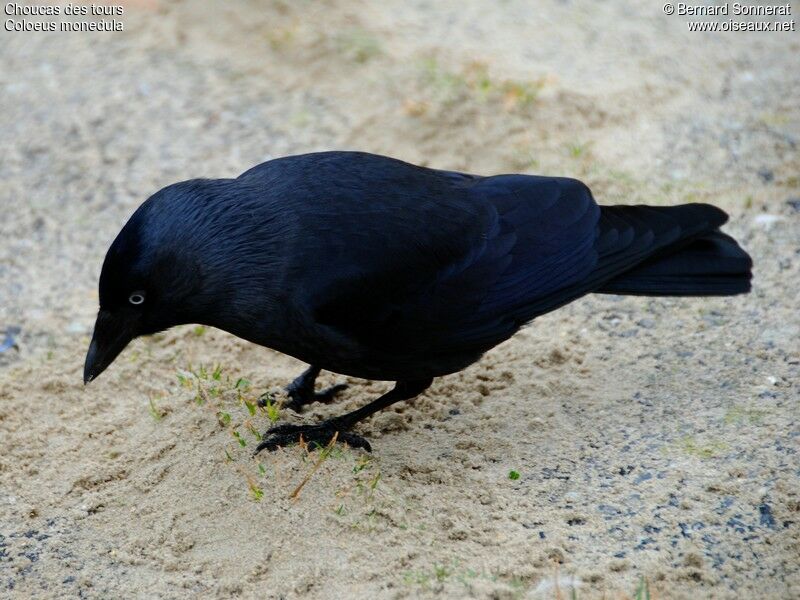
(224, 418)
(200, 397)
(474, 79)
(361, 464)
(337, 452)
(374, 481)
(642, 591)
(251, 428)
(186, 379)
(705, 450)
(323, 454)
(513, 475)
(271, 406)
(257, 492)
(217, 374)
(521, 93)
(476, 76)
(441, 572)
(577, 150)
(154, 410)
(444, 82)
(199, 331)
(239, 438)
(740, 415)
(251, 408)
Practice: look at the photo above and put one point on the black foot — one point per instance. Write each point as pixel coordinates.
(301, 395)
(316, 436)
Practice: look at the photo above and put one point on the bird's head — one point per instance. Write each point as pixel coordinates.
(147, 284)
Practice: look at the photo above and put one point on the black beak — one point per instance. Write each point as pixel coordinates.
(111, 334)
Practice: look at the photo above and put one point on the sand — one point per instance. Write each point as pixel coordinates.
(656, 440)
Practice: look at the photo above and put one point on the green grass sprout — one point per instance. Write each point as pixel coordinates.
(239, 438)
(251, 408)
(154, 410)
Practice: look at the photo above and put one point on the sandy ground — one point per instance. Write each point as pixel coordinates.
(656, 439)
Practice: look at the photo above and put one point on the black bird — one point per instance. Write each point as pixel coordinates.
(376, 268)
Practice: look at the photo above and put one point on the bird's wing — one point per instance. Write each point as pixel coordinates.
(542, 248)
(446, 262)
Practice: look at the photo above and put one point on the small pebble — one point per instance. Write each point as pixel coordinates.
(76, 327)
(767, 221)
(766, 175)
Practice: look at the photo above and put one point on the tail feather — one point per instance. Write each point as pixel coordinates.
(700, 261)
(657, 251)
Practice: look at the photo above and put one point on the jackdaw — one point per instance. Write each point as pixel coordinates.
(375, 268)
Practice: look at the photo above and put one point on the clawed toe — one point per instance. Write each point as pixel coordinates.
(299, 397)
(281, 429)
(329, 394)
(354, 441)
(315, 436)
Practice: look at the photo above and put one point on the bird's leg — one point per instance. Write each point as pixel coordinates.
(322, 433)
(301, 390)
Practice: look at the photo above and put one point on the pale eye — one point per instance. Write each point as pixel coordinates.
(136, 298)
